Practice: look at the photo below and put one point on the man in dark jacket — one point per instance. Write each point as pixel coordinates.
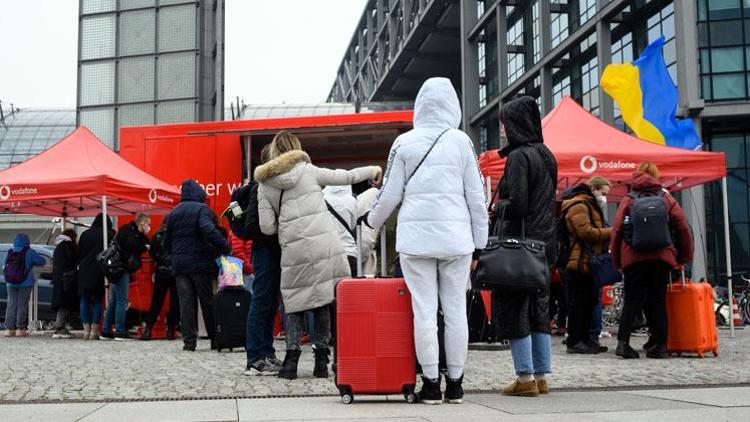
(132, 243)
(164, 282)
(193, 238)
(266, 258)
(90, 276)
(527, 195)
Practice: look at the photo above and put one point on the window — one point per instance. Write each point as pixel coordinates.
(724, 57)
(516, 63)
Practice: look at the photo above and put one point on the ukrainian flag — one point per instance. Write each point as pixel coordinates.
(648, 98)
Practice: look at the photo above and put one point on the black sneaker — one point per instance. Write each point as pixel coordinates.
(650, 344)
(106, 336)
(454, 392)
(188, 348)
(62, 333)
(123, 336)
(625, 351)
(597, 347)
(581, 349)
(657, 352)
(262, 367)
(430, 392)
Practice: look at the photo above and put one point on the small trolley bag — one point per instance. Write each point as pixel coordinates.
(374, 335)
(692, 323)
(231, 306)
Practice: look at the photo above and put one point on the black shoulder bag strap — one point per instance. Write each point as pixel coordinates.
(340, 220)
(425, 157)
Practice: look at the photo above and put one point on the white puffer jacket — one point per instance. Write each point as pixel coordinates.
(341, 200)
(444, 211)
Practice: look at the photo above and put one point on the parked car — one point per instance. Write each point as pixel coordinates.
(43, 275)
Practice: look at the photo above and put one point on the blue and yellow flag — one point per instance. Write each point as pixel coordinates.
(648, 98)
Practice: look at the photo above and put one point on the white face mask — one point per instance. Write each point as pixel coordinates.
(602, 200)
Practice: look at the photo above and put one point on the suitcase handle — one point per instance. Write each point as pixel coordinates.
(682, 275)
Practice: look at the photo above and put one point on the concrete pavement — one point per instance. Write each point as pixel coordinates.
(683, 405)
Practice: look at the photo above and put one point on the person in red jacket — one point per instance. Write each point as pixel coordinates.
(647, 273)
(242, 249)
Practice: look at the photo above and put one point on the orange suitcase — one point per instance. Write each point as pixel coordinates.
(692, 323)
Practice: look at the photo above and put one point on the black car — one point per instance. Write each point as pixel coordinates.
(43, 275)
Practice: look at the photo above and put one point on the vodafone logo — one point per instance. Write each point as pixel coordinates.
(5, 193)
(588, 164)
(153, 196)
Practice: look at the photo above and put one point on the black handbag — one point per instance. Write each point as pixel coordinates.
(512, 264)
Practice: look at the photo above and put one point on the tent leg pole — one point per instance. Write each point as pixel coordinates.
(105, 242)
(728, 253)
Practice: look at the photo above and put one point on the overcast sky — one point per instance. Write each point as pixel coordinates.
(276, 50)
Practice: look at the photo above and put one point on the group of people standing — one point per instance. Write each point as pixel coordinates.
(300, 251)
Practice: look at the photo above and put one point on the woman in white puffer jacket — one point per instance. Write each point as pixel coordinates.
(442, 221)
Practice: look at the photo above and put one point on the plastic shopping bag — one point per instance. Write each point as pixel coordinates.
(230, 272)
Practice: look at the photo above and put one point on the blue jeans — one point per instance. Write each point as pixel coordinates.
(17, 310)
(91, 309)
(596, 322)
(117, 305)
(265, 303)
(532, 354)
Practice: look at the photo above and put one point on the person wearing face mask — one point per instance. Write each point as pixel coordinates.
(132, 242)
(600, 187)
(589, 235)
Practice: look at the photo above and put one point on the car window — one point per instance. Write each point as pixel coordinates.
(46, 268)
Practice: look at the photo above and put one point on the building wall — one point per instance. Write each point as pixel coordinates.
(143, 62)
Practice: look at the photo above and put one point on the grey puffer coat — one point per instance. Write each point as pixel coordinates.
(312, 257)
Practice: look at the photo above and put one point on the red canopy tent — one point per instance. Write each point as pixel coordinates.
(585, 146)
(79, 177)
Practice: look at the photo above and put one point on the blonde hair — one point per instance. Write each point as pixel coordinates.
(598, 182)
(649, 168)
(284, 142)
(142, 217)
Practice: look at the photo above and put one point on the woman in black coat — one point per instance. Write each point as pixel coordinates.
(90, 276)
(164, 282)
(527, 193)
(64, 289)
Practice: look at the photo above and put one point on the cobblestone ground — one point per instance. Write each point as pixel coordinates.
(41, 369)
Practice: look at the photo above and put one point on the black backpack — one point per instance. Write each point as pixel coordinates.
(564, 245)
(648, 222)
(237, 223)
(252, 220)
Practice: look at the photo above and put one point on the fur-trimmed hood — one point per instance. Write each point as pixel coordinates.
(284, 171)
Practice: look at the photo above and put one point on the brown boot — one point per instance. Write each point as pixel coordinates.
(523, 389)
(542, 385)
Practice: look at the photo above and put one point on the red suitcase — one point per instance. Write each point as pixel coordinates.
(692, 323)
(374, 337)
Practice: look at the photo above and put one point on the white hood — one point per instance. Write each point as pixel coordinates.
(437, 105)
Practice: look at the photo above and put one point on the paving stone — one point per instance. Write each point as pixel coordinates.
(93, 371)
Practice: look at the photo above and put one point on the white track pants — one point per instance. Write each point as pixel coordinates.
(447, 279)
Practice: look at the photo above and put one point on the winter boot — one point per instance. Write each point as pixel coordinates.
(454, 392)
(321, 362)
(625, 351)
(170, 332)
(430, 392)
(289, 368)
(86, 331)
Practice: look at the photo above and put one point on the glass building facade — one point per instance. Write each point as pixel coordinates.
(144, 62)
(28, 132)
(550, 49)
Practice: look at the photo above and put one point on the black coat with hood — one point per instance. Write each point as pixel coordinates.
(132, 244)
(90, 277)
(64, 260)
(527, 193)
(191, 235)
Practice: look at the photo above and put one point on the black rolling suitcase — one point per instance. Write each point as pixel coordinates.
(231, 306)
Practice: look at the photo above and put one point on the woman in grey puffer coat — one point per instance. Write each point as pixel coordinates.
(290, 203)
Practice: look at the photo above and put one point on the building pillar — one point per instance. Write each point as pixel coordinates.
(501, 20)
(604, 58)
(545, 27)
(469, 69)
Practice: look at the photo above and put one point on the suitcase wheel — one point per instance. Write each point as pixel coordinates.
(411, 398)
(347, 398)
(716, 353)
